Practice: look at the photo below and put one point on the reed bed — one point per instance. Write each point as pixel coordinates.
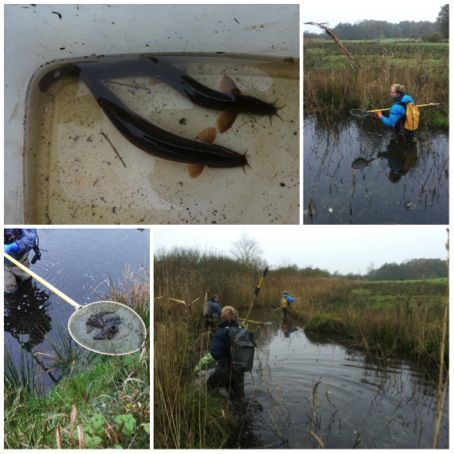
(385, 317)
(332, 87)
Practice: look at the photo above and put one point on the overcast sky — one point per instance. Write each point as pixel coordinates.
(352, 11)
(347, 249)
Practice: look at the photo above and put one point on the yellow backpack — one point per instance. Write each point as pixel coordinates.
(411, 116)
(284, 303)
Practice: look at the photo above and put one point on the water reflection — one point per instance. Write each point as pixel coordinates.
(401, 158)
(354, 172)
(343, 397)
(26, 315)
(288, 326)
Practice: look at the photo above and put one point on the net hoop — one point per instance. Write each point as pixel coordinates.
(359, 113)
(359, 163)
(131, 335)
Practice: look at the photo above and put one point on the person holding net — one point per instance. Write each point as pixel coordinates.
(398, 112)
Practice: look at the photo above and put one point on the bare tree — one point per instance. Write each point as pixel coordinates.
(247, 251)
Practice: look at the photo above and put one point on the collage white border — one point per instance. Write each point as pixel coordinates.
(153, 228)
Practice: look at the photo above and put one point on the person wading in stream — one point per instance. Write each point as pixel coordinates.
(212, 313)
(398, 114)
(232, 354)
(286, 300)
(18, 243)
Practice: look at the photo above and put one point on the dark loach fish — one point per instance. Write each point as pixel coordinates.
(155, 140)
(149, 66)
(108, 326)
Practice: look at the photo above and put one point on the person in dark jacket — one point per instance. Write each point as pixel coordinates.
(18, 243)
(213, 312)
(396, 117)
(224, 376)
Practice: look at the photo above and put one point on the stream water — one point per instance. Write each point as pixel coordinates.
(80, 263)
(398, 184)
(358, 403)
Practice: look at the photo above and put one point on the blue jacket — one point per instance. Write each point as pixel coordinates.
(290, 299)
(23, 245)
(397, 111)
(213, 308)
(220, 348)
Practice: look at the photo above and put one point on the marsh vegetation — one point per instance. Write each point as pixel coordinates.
(384, 320)
(332, 87)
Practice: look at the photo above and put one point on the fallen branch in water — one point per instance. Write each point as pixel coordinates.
(330, 32)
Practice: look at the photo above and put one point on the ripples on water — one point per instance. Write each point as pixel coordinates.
(358, 403)
(397, 186)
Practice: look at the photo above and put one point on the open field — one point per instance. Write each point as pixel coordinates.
(385, 318)
(332, 86)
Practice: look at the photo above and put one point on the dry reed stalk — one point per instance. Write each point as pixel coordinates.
(170, 417)
(112, 435)
(442, 384)
(81, 436)
(319, 440)
(58, 437)
(314, 403)
(72, 422)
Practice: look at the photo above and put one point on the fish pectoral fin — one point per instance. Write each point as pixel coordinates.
(195, 170)
(207, 135)
(152, 82)
(225, 120)
(228, 86)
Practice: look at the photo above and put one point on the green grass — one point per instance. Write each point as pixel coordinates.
(112, 387)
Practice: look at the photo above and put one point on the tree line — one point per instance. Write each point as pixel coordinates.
(217, 266)
(377, 29)
(414, 269)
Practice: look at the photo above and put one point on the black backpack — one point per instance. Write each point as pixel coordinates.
(242, 348)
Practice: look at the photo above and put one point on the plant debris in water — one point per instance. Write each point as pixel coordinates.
(108, 326)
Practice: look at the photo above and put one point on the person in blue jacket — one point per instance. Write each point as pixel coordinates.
(18, 243)
(286, 300)
(213, 312)
(396, 117)
(219, 356)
